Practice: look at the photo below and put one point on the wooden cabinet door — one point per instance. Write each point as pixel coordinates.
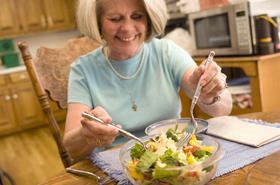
(57, 13)
(7, 117)
(59, 114)
(32, 15)
(72, 7)
(8, 17)
(26, 105)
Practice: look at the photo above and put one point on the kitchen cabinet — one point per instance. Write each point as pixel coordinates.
(31, 14)
(263, 74)
(57, 13)
(19, 106)
(22, 17)
(9, 22)
(7, 119)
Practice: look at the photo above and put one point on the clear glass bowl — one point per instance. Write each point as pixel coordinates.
(163, 126)
(198, 174)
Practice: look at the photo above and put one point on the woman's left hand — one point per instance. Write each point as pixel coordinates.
(213, 81)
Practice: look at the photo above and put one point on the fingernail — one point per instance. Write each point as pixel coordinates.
(203, 82)
(119, 126)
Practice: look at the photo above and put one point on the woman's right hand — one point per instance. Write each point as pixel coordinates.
(97, 134)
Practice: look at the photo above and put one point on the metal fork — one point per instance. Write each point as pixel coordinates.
(186, 137)
(123, 132)
(101, 180)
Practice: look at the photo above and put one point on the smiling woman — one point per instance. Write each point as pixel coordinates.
(123, 28)
(121, 79)
(90, 14)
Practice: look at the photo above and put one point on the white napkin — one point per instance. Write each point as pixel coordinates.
(234, 129)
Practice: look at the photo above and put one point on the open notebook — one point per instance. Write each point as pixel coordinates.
(237, 130)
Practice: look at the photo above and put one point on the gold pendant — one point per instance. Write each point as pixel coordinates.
(134, 107)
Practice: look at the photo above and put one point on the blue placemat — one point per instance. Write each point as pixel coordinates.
(237, 156)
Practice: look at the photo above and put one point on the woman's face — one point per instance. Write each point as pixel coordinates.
(124, 27)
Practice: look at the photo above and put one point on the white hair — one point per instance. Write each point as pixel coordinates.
(89, 14)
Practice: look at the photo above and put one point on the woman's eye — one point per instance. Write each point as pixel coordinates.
(137, 16)
(115, 19)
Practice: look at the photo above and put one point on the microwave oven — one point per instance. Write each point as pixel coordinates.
(227, 30)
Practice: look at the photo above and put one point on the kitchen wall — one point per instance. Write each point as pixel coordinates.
(52, 40)
(272, 7)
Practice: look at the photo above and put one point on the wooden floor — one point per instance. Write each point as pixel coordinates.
(30, 157)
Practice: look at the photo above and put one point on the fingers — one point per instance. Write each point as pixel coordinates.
(102, 114)
(197, 73)
(216, 85)
(96, 133)
(213, 81)
(98, 128)
(99, 140)
(209, 74)
(205, 75)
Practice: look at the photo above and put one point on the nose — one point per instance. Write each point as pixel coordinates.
(127, 25)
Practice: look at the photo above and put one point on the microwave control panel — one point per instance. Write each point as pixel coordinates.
(242, 24)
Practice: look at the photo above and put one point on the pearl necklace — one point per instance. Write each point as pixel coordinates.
(121, 77)
(117, 73)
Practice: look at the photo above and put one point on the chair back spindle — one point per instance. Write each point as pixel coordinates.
(44, 102)
(49, 73)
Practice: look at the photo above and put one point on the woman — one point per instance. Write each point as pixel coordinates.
(133, 78)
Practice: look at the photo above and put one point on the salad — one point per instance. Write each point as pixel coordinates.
(165, 164)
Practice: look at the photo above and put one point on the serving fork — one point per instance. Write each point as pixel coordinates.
(187, 136)
(113, 124)
(101, 180)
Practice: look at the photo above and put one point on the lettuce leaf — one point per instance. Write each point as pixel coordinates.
(146, 161)
(161, 173)
(171, 133)
(137, 151)
(173, 158)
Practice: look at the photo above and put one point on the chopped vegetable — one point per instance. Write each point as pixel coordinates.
(160, 162)
(146, 161)
(137, 151)
(172, 134)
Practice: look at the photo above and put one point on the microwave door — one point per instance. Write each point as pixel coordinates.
(216, 30)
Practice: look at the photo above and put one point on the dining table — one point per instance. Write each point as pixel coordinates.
(265, 171)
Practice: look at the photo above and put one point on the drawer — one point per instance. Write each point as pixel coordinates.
(19, 77)
(2, 80)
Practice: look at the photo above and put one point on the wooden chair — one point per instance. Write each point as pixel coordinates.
(49, 75)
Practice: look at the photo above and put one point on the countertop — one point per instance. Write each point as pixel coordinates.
(4, 71)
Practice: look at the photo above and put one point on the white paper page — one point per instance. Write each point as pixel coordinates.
(234, 129)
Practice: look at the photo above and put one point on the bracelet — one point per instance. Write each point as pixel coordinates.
(215, 100)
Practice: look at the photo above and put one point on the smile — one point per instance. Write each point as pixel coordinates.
(127, 39)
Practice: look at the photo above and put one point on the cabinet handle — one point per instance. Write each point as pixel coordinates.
(50, 21)
(15, 96)
(22, 76)
(7, 28)
(21, 27)
(7, 97)
(43, 21)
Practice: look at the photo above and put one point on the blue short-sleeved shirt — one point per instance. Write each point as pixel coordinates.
(155, 89)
